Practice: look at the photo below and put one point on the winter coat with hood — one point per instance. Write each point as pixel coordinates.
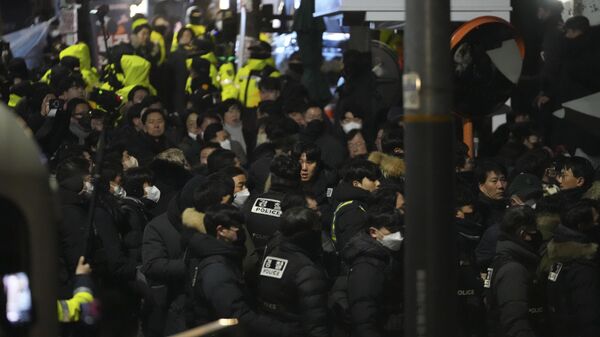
(375, 310)
(350, 216)
(517, 298)
(573, 284)
(333, 151)
(216, 285)
(292, 286)
(391, 167)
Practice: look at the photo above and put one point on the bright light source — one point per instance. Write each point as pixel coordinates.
(276, 24)
(223, 5)
(142, 8)
(297, 4)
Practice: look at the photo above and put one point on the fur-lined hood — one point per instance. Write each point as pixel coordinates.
(571, 251)
(391, 166)
(191, 218)
(594, 191)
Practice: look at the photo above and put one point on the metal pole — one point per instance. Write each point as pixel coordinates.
(430, 262)
(242, 42)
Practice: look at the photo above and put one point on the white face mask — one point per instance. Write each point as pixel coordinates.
(392, 241)
(88, 188)
(193, 135)
(226, 144)
(351, 126)
(152, 193)
(240, 198)
(130, 162)
(119, 191)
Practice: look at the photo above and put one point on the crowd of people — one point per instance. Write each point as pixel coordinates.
(230, 194)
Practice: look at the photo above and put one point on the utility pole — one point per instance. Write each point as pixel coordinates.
(430, 260)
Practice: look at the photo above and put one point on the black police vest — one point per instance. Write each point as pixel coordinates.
(277, 291)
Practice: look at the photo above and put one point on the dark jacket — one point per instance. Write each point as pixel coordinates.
(217, 287)
(292, 287)
(491, 210)
(191, 149)
(333, 151)
(262, 213)
(169, 178)
(516, 307)
(165, 270)
(574, 284)
(136, 218)
(259, 167)
(71, 235)
(376, 309)
(486, 249)
(579, 67)
(144, 147)
(350, 218)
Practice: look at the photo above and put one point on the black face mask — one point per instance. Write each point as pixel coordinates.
(536, 242)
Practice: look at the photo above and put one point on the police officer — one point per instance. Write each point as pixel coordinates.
(262, 212)
(259, 65)
(292, 287)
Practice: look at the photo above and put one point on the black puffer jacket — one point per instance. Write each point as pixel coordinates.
(217, 288)
(350, 218)
(292, 287)
(144, 147)
(136, 218)
(491, 210)
(376, 309)
(517, 297)
(574, 284)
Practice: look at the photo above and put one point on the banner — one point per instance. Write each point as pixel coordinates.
(29, 43)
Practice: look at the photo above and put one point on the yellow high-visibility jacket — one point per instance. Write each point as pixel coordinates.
(199, 30)
(70, 310)
(227, 81)
(136, 71)
(155, 37)
(247, 81)
(82, 52)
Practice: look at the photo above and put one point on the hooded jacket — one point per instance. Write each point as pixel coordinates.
(375, 310)
(516, 307)
(216, 283)
(573, 284)
(247, 81)
(391, 167)
(82, 52)
(491, 210)
(170, 178)
(350, 215)
(136, 71)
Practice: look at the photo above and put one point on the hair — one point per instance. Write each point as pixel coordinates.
(185, 29)
(71, 167)
(391, 220)
(293, 200)
(580, 23)
(535, 162)
(220, 159)
(212, 191)
(74, 102)
(278, 127)
(227, 104)
(232, 171)
(384, 198)
(207, 115)
(350, 135)
(147, 112)
(313, 152)
(150, 100)
(206, 145)
(298, 219)
(136, 89)
(358, 169)
(211, 131)
(269, 84)
(222, 215)
(285, 171)
(579, 215)
(581, 168)
(516, 219)
(464, 196)
(271, 108)
(392, 138)
(485, 167)
(134, 179)
(61, 84)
